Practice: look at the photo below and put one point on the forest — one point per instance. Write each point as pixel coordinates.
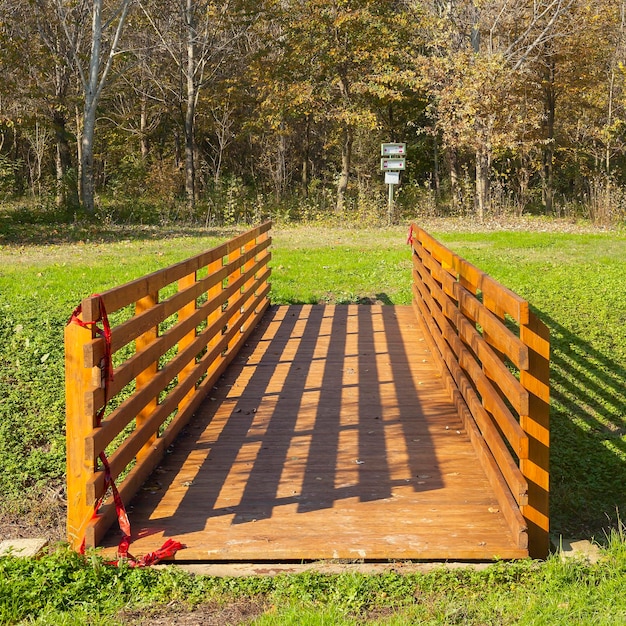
(221, 111)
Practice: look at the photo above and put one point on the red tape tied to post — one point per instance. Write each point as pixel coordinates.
(170, 547)
(409, 240)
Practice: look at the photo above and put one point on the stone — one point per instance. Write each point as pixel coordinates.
(579, 549)
(22, 547)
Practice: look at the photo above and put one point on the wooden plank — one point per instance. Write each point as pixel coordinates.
(499, 335)
(139, 362)
(128, 331)
(99, 526)
(487, 382)
(493, 367)
(187, 342)
(330, 441)
(507, 466)
(537, 424)
(143, 342)
(99, 438)
(473, 278)
(77, 383)
(125, 373)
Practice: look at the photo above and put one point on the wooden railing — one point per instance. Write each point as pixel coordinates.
(493, 354)
(177, 330)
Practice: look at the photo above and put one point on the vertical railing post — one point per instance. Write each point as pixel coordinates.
(213, 293)
(261, 239)
(248, 284)
(536, 469)
(141, 343)
(79, 424)
(234, 274)
(186, 311)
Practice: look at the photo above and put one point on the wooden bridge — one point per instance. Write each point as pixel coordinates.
(318, 432)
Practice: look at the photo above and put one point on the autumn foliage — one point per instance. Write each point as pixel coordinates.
(224, 109)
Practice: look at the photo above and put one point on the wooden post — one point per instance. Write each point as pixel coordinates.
(259, 240)
(141, 343)
(79, 424)
(233, 315)
(247, 285)
(536, 469)
(184, 312)
(214, 291)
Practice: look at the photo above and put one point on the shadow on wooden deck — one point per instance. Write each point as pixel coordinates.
(329, 436)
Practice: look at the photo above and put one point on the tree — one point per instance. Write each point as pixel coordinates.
(199, 37)
(335, 65)
(65, 19)
(478, 52)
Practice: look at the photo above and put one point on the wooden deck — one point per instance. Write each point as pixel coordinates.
(330, 436)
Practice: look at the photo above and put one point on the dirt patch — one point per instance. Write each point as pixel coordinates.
(209, 614)
(42, 516)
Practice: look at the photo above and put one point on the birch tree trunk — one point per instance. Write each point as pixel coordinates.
(93, 84)
(190, 112)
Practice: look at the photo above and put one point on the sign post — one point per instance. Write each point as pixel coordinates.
(393, 161)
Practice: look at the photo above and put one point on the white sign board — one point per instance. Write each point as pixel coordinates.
(392, 164)
(393, 149)
(392, 178)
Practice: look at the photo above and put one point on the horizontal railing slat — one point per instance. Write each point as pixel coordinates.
(491, 365)
(499, 335)
(122, 416)
(98, 527)
(134, 327)
(126, 372)
(509, 505)
(125, 453)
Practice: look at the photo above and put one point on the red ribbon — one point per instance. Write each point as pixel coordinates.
(170, 547)
(409, 240)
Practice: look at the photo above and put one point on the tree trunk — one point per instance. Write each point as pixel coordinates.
(280, 171)
(190, 166)
(453, 165)
(66, 192)
(89, 112)
(548, 151)
(79, 152)
(436, 181)
(306, 156)
(346, 160)
(190, 113)
(93, 85)
(88, 187)
(483, 164)
(143, 129)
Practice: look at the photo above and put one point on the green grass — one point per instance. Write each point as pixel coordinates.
(64, 588)
(576, 283)
(321, 266)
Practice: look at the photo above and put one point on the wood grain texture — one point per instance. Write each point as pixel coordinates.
(503, 378)
(330, 435)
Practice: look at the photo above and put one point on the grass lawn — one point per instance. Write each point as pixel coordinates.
(575, 281)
